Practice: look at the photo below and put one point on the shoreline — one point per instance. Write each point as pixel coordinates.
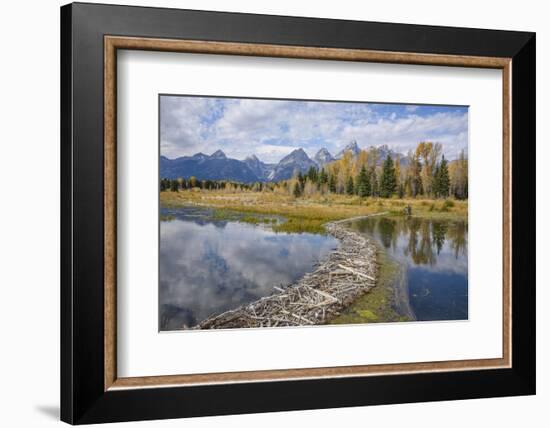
(387, 302)
(310, 214)
(349, 272)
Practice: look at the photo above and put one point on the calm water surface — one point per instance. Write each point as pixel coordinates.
(209, 266)
(435, 256)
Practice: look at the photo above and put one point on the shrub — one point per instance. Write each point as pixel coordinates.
(446, 205)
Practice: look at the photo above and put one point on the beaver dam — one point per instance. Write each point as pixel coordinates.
(349, 272)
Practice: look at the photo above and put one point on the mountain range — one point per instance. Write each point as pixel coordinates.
(218, 166)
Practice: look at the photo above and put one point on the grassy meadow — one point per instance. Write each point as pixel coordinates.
(306, 214)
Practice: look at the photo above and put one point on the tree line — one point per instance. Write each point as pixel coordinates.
(424, 173)
(177, 184)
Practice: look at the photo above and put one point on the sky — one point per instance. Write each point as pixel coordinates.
(270, 129)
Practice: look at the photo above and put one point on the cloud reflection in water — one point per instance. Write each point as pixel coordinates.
(210, 267)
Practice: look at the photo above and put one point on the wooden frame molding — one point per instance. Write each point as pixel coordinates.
(113, 43)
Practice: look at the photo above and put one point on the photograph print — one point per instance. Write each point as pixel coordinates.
(295, 213)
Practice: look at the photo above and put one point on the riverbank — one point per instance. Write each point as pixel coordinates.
(387, 302)
(309, 214)
(350, 271)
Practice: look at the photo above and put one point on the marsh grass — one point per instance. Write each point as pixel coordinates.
(305, 214)
(168, 217)
(222, 214)
(232, 215)
(377, 305)
(301, 225)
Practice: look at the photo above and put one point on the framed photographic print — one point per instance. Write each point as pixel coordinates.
(265, 213)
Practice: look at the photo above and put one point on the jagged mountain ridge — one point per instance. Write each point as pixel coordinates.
(261, 169)
(384, 151)
(204, 167)
(218, 166)
(323, 157)
(296, 161)
(351, 147)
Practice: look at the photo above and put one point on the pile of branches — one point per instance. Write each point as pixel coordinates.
(317, 297)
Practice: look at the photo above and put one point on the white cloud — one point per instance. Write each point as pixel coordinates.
(403, 134)
(272, 128)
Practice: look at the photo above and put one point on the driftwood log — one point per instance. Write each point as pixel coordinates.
(348, 272)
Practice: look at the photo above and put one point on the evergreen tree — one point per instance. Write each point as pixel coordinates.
(397, 169)
(435, 185)
(442, 179)
(401, 191)
(387, 182)
(332, 183)
(363, 183)
(301, 180)
(415, 178)
(312, 174)
(374, 183)
(297, 189)
(349, 186)
(323, 177)
(174, 185)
